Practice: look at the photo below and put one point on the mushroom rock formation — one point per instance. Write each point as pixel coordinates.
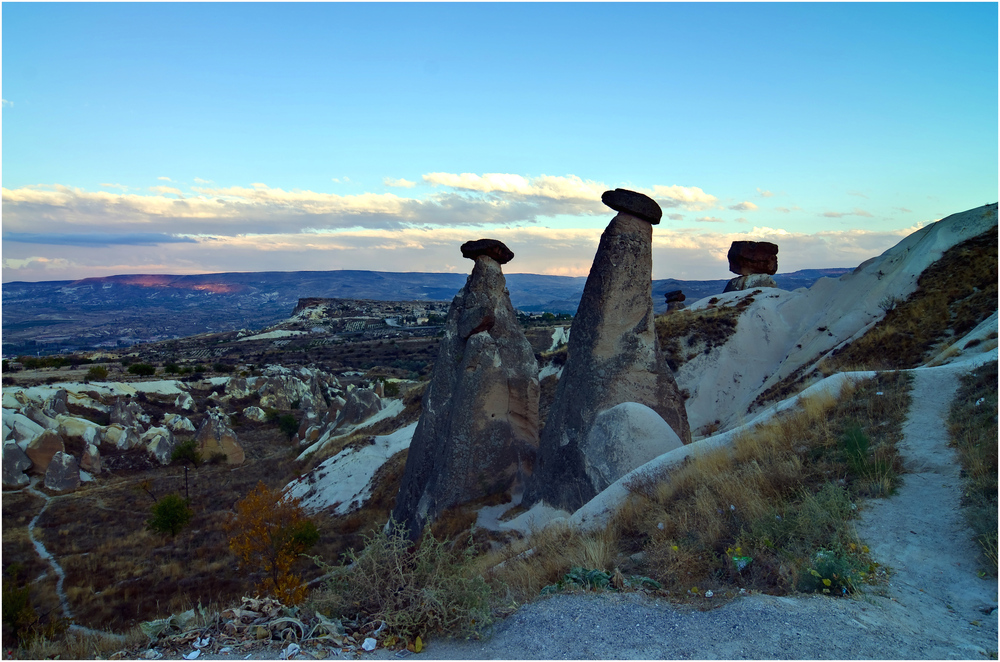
(613, 356)
(749, 282)
(753, 257)
(675, 300)
(478, 431)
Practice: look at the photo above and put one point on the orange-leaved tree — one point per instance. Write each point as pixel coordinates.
(267, 534)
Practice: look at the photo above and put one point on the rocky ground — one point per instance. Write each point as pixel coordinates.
(936, 605)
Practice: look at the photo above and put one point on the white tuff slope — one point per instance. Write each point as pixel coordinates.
(782, 331)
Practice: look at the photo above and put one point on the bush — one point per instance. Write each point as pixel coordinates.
(97, 372)
(19, 614)
(187, 451)
(268, 534)
(141, 369)
(288, 425)
(416, 590)
(170, 515)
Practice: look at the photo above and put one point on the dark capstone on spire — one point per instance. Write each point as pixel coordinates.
(636, 204)
(489, 247)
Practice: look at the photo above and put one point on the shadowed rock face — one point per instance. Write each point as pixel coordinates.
(613, 357)
(478, 432)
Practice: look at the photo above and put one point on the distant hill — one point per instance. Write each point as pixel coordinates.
(114, 311)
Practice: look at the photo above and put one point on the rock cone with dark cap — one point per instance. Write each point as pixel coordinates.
(613, 358)
(478, 432)
(634, 204)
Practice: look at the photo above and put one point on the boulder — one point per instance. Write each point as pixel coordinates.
(753, 257)
(160, 443)
(43, 448)
(71, 427)
(90, 459)
(22, 428)
(478, 429)
(15, 463)
(184, 401)
(120, 437)
(127, 413)
(255, 414)
(57, 403)
(361, 405)
(634, 204)
(613, 357)
(63, 473)
(749, 282)
(214, 436)
(488, 247)
(674, 296)
(178, 423)
(40, 417)
(282, 391)
(623, 438)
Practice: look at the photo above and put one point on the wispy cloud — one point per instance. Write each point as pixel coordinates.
(904, 210)
(857, 194)
(543, 186)
(165, 179)
(167, 190)
(199, 180)
(117, 186)
(840, 214)
(744, 206)
(709, 219)
(688, 197)
(7, 104)
(398, 183)
(96, 239)
(764, 194)
(675, 217)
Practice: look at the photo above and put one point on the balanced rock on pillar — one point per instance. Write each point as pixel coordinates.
(613, 357)
(754, 262)
(478, 431)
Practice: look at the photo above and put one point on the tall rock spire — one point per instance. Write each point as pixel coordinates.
(478, 432)
(613, 357)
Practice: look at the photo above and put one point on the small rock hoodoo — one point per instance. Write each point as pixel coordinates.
(613, 358)
(478, 432)
(754, 262)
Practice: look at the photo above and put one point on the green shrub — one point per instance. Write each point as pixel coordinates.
(170, 515)
(19, 614)
(97, 372)
(186, 451)
(288, 425)
(416, 589)
(142, 369)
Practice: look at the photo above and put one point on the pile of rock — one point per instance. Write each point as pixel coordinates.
(754, 262)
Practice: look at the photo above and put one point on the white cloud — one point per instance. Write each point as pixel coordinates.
(199, 180)
(764, 194)
(783, 210)
(543, 186)
(688, 197)
(165, 179)
(709, 219)
(675, 217)
(398, 183)
(744, 206)
(854, 212)
(7, 104)
(117, 186)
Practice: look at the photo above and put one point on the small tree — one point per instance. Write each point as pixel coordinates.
(267, 534)
(142, 369)
(170, 515)
(186, 451)
(97, 372)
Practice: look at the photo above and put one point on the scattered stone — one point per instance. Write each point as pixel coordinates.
(71, 427)
(215, 436)
(478, 430)
(57, 403)
(623, 438)
(40, 417)
(120, 437)
(750, 282)
(178, 423)
(43, 448)
(184, 401)
(62, 473)
(15, 463)
(22, 428)
(613, 357)
(634, 204)
(127, 413)
(753, 257)
(488, 247)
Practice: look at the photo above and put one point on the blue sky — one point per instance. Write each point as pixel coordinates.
(190, 137)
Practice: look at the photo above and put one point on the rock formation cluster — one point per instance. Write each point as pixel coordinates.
(478, 432)
(753, 262)
(613, 358)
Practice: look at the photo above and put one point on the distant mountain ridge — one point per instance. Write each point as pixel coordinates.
(112, 311)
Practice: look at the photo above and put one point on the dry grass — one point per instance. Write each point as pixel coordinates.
(973, 431)
(953, 295)
(684, 334)
(782, 496)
